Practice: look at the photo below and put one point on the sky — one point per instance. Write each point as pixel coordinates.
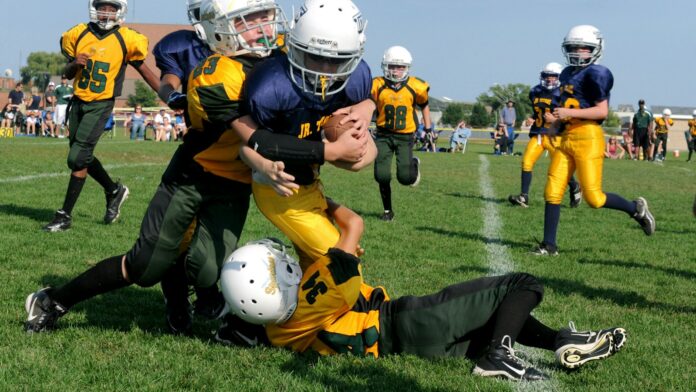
(460, 47)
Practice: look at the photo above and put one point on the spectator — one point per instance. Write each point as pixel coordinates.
(49, 100)
(7, 116)
(179, 124)
(30, 123)
(508, 116)
(627, 142)
(691, 136)
(662, 126)
(167, 128)
(460, 136)
(64, 94)
(136, 123)
(431, 136)
(642, 128)
(614, 149)
(159, 124)
(34, 101)
(16, 98)
(501, 140)
(49, 126)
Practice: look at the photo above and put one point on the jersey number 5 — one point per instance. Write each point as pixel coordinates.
(94, 76)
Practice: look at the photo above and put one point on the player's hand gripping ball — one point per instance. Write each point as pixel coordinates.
(332, 129)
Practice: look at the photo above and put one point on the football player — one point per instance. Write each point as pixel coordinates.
(329, 309)
(691, 136)
(204, 180)
(322, 73)
(542, 96)
(397, 94)
(583, 106)
(662, 126)
(97, 54)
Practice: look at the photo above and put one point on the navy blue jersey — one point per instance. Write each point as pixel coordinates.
(276, 103)
(583, 87)
(543, 101)
(178, 53)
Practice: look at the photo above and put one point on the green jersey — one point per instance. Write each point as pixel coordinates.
(63, 94)
(642, 119)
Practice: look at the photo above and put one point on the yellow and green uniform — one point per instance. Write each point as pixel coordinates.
(661, 135)
(692, 127)
(661, 125)
(110, 52)
(396, 103)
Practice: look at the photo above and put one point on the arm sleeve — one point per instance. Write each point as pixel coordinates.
(286, 148)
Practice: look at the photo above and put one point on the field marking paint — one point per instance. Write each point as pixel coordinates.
(64, 142)
(65, 173)
(500, 262)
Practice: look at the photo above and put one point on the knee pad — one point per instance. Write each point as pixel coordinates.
(594, 199)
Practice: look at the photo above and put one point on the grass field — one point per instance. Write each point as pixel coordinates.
(456, 225)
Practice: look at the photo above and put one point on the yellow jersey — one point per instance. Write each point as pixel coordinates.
(110, 52)
(336, 311)
(396, 103)
(661, 125)
(214, 97)
(692, 127)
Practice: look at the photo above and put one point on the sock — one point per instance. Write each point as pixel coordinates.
(104, 277)
(573, 184)
(526, 181)
(512, 314)
(535, 334)
(73, 193)
(616, 202)
(96, 171)
(174, 284)
(552, 215)
(385, 193)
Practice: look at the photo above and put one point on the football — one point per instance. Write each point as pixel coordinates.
(332, 129)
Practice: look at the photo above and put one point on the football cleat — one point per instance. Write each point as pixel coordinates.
(544, 249)
(42, 311)
(210, 304)
(418, 175)
(644, 217)
(114, 201)
(237, 332)
(61, 222)
(577, 348)
(179, 319)
(519, 200)
(502, 362)
(575, 196)
(388, 216)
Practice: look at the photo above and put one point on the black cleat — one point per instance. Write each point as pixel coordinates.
(544, 249)
(210, 304)
(114, 201)
(644, 217)
(61, 222)
(519, 200)
(575, 196)
(42, 312)
(502, 362)
(388, 216)
(179, 318)
(577, 348)
(418, 176)
(237, 332)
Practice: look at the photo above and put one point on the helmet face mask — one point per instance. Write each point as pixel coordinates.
(396, 64)
(226, 22)
(193, 10)
(583, 45)
(105, 19)
(260, 282)
(325, 45)
(549, 76)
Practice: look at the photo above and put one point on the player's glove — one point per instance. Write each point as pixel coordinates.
(177, 100)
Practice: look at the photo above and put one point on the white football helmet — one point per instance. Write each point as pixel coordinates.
(329, 36)
(396, 55)
(550, 69)
(583, 35)
(260, 282)
(113, 19)
(193, 10)
(218, 18)
(667, 112)
(694, 113)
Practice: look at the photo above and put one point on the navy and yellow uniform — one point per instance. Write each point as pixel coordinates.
(178, 53)
(396, 125)
(98, 83)
(338, 313)
(205, 180)
(582, 145)
(277, 104)
(539, 141)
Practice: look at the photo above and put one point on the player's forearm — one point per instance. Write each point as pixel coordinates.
(168, 84)
(426, 117)
(71, 69)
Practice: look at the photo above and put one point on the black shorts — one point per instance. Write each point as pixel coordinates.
(640, 138)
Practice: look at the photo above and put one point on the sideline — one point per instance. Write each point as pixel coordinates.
(66, 173)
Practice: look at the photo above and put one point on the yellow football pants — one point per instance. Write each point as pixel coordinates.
(301, 217)
(536, 145)
(582, 151)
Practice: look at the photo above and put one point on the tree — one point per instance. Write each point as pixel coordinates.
(455, 112)
(143, 95)
(479, 116)
(40, 66)
(497, 96)
(613, 120)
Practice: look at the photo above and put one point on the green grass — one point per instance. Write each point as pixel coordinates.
(608, 274)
